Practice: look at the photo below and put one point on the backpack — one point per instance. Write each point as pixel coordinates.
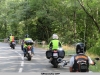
(81, 63)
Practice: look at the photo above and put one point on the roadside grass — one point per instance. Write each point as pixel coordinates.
(94, 68)
(41, 46)
(70, 50)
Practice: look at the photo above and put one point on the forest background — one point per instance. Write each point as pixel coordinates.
(73, 20)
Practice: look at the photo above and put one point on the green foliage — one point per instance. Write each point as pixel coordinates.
(95, 68)
(96, 48)
(41, 18)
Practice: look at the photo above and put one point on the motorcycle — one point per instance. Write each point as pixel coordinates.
(56, 56)
(12, 44)
(29, 53)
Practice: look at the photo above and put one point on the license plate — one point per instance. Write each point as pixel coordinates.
(29, 51)
(55, 54)
(13, 42)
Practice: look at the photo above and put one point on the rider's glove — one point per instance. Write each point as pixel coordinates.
(94, 63)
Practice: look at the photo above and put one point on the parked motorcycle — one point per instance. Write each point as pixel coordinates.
(29, 53)
(12, 44)
(55, 56)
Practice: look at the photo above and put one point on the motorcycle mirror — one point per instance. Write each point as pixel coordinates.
(97, 58)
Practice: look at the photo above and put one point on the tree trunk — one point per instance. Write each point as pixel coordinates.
(95, 22)
(75, 19)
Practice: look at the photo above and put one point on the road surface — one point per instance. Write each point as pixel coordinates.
(12, 60)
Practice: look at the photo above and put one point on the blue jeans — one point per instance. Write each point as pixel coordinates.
(32, 50)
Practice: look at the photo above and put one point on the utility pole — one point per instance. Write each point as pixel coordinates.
(26, 17)
(84, 30)
(75, 19)
(5, 22)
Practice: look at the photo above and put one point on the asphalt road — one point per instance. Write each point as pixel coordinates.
(13, 61)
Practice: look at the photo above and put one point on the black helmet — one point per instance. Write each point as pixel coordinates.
(26, 36)
(10, 34)
(80, 48)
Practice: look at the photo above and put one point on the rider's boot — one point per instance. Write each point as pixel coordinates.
(24, 54)
(50, 60)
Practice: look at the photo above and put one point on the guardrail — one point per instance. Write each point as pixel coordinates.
(6, 41)
(36, 43)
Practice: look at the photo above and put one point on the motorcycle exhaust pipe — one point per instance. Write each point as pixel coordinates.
(59, 60)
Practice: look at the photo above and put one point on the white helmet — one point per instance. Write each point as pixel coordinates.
(55, 36)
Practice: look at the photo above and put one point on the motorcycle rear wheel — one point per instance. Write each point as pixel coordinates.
(55, 64)
(29, 57)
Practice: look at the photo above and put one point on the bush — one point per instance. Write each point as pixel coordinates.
(95, 49)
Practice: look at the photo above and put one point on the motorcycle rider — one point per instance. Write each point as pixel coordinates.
(11, 39)
(80, 56)
(27, 40)
(54, 43)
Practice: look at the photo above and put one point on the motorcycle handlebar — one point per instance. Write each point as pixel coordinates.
(97, 59)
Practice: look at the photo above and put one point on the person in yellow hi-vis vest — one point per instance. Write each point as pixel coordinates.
(29, 41)
(11, 39)
(54, 43)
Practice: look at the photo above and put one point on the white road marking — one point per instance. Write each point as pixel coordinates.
(20, 55)
(22, 62)
(22, 58)
(20, 70)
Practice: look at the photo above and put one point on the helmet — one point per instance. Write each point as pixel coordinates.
(10, 34)
(55, 36)
(26, 36)
(80, 48)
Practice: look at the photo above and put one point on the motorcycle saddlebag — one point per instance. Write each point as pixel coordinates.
(48, 54)
(61, 53)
